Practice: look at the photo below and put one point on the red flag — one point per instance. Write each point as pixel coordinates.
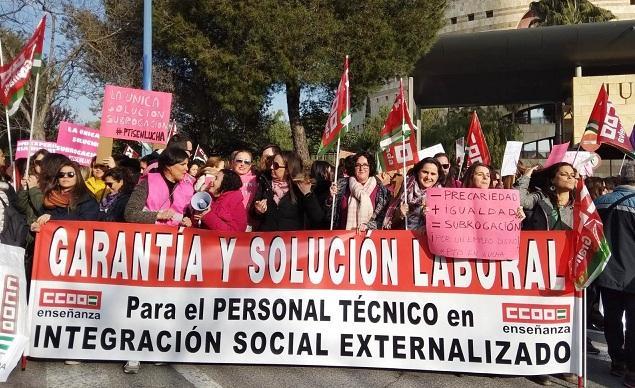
(592, 251)
(172, 130)
(605, 126)
(397, 137)
(199, 154)
(131, 153)
(15, 74)
(340, 115)
(476, 144)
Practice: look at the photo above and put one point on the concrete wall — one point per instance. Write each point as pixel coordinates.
(585, 92)
(505, 14)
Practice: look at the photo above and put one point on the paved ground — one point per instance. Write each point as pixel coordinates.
(43, 373)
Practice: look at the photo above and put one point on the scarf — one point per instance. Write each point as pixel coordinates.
(56, 198)
(360, 206)
(107, 201)
(280, 189)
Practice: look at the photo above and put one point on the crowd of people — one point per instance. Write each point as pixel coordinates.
(279, 194)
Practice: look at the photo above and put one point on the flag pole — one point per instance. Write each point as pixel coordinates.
(337, 152)
(403, 149)
(28, 155)
(337, 164)
(6, 115)
(622, 165)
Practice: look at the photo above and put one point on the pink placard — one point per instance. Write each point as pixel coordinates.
(557, 154)
(77, 142)
(22, 149)
(473, 223)
(135, 114)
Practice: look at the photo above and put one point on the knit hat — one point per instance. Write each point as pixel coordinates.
(628, 172)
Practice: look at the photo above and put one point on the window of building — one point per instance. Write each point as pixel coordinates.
(470, 17)
(490, 13)
(453, 20)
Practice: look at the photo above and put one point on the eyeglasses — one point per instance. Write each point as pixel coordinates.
(243, 161)
(362, 166)
(445, 166)
(276, 166)
(70, 174)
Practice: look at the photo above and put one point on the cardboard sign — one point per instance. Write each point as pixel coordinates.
(77, 142)
(109, 291)
(135, 114)
(22, 149)
(511, 158)
(557, 154)
(473, 223)
(585, 162)
(431, 151)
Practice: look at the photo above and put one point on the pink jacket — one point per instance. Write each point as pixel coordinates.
(227, 213)
(159, 196)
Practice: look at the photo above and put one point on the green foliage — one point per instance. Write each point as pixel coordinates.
(446, 125)
(278, 131)
(561, 12)
(368, 138)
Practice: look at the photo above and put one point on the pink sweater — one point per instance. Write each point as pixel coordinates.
(227, 213)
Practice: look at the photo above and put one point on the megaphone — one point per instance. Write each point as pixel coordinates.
(201, 201)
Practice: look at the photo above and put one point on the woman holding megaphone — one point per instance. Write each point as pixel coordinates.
(226, 211)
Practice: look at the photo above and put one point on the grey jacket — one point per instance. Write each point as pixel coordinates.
(539, 208)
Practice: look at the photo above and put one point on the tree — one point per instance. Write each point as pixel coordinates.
(445, 126)
(246, 50)
(560, 12)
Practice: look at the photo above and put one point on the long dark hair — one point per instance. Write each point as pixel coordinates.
(78, 192)
(542, 180)
(171, 156)
(231, 181)
(293, 170)
(51, 165)
(122, 174)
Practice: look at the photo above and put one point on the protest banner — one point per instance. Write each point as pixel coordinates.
(473, 223)
(584, 162)
(135, 114)
(108, 291)
(77, 142)
(22, 149)
(511, 158)
(13, 311)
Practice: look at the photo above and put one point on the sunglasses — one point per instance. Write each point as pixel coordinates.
(276, 166)
(445, 166)
(70, 174)
(243, 161)
(109, 184)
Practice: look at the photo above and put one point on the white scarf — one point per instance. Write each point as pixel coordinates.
(360, 206)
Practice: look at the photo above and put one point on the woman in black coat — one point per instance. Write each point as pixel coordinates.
(284, 199)
(119, 186)
(67, 198)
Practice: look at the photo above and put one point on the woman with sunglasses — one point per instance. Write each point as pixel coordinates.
(361, 200)
(119, 186)
(284, 200)
(170, 194)
(241, 164)
(67, 198)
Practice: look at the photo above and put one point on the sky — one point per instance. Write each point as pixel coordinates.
(25, 23)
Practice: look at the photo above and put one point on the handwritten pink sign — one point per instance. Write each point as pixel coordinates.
(77, 142)
(22, 149)
(473, 223)
(135, 114)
